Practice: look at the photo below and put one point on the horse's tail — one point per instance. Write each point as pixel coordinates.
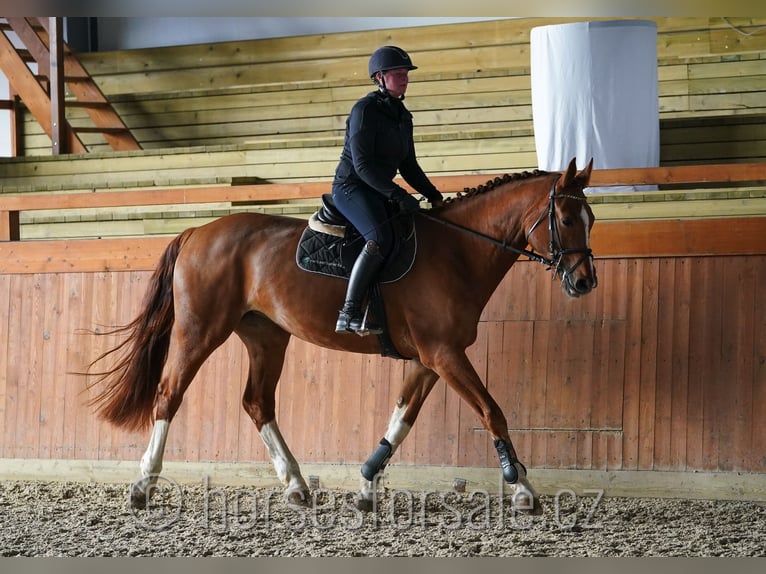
(131, 385)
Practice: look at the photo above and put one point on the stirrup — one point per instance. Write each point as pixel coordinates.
(361, 327)
(351, 322)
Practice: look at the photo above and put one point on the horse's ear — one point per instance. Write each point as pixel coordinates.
(569, 175)
(584, 175)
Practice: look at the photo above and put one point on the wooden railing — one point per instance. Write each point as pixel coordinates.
(13, 204)
(713, 234)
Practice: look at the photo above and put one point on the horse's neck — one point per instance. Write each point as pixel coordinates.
(498, 213)
(495, 215)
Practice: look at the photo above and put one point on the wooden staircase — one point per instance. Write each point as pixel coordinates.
(44, 93)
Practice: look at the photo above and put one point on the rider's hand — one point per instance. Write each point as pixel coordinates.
(407, 203)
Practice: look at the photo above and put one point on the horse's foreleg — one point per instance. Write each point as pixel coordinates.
(417, 385)
(459, 374)
(266, 344)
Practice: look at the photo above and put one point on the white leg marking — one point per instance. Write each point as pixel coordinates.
(397, 428)
(524, 495)
(151, 462)
(395, 434)
(284, 463)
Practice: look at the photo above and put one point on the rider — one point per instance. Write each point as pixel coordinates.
(378, 143)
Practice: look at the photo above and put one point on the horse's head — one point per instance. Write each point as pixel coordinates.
(562, 230)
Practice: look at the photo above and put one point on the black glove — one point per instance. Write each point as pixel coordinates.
(406, 202)
(436, 199)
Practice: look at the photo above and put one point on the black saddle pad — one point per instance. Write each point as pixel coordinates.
(335, 256)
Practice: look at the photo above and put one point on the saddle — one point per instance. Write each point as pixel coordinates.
(330, 245)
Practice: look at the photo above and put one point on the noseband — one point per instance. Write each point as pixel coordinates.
(555, 248)
(556, 251)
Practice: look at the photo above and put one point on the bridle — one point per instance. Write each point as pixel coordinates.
(556, 250)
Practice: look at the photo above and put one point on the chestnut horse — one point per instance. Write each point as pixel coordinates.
(238, 274)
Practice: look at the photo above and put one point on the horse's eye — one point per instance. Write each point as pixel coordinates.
(566, 222)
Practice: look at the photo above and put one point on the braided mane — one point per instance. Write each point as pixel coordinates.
(494, 183)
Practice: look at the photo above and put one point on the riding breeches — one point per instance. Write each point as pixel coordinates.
(366, 210)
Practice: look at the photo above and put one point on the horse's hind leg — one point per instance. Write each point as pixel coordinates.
(266, 344)
(417, 385)
(180, 369)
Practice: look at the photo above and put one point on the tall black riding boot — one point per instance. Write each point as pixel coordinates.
(365, 268)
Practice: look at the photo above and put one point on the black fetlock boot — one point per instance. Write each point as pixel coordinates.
(365, 268)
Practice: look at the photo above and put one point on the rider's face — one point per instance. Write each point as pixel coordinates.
(396, 81)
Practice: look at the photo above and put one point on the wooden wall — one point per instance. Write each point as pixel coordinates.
(662, 367)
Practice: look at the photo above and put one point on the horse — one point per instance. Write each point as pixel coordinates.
(237, 274)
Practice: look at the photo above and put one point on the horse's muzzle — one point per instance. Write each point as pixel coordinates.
(578, 286)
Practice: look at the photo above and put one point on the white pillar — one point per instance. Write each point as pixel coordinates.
(594, 94)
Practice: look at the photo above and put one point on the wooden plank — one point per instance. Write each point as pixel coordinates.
(737, 361)
(313, 47)
(235, 369)
(719, 173)
(51, 379)
(714, 394)
(538, 409)
(77, 356)
(758, 421)
(746, 487)
(349, 410)
(518, 388)
(88, 255)
(7, 408)
(698, 352)
(581, 364)
(687, 208)
(474, 443)
(672, 32)
(649, 367)
(31, 385)
(15, 405)
(680, 379)
(609, 362)
(623, 239)
(683, 237)
(742, 39)
(664, 353)
(430, 63)
(633, 367)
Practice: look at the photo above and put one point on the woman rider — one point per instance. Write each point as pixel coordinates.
(378, 143)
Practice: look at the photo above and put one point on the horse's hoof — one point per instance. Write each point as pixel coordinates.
(364, 504)
(138, 498)
(298, 498)
(528, 504)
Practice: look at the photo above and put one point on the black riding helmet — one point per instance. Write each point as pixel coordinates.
(389, 58)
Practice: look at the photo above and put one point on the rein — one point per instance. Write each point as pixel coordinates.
(502, 244)
(551, 262)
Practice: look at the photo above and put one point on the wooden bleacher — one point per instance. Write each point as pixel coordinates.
(273, 111)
